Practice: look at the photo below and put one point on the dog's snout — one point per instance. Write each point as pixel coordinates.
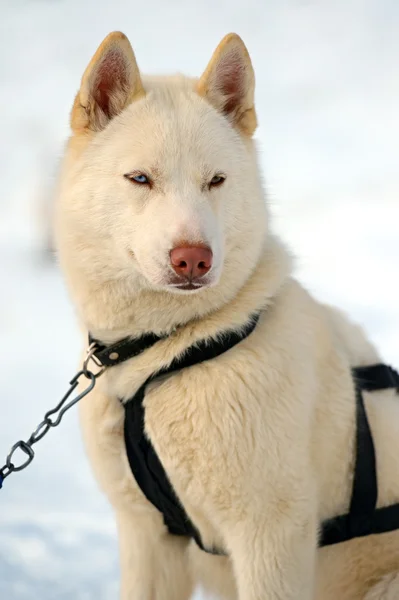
(191, 262)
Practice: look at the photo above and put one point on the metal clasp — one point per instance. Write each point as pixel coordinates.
(90, 355)
(53, 417)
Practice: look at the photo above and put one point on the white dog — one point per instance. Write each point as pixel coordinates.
(163, 232)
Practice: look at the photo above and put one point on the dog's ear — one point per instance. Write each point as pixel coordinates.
(228, 83)
(111, 82)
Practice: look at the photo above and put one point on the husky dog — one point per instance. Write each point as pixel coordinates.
(163, 230)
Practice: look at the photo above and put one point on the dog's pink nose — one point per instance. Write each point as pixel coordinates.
(191, 261)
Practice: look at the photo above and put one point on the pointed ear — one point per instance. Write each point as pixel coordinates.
(228, 83)
(110, 82)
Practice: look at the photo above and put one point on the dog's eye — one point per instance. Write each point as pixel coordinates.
(139, 178)
(216, 180)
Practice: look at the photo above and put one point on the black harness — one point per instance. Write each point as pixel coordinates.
(363, 517)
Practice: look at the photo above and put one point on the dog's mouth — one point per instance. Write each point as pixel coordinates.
(174, 283)
(189, 286)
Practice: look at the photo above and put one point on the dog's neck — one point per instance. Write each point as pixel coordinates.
(162, 312)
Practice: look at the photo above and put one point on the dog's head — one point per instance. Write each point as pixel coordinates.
(161, 188)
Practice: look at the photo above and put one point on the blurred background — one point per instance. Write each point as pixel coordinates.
(328, 102)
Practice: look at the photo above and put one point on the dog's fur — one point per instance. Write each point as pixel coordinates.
(258, 443)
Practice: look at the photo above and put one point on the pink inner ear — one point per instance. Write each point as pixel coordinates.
(231, 80)
(111, 77)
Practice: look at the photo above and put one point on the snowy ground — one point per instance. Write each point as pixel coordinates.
(328, 98)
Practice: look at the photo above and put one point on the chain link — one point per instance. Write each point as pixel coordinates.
(53, 417)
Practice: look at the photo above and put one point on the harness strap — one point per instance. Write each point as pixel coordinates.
(363, 518)
(365, 487)
(376, 377)
(144, 462)
(150, 475)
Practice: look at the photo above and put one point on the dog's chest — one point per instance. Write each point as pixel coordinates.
(202, 422)
(191, 429)
(183, 426)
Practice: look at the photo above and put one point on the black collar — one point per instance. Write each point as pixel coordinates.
(130, 347)
(124, 349)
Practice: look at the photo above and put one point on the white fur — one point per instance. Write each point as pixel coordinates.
(257, 443)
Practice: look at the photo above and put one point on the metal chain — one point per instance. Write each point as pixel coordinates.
(53, 417)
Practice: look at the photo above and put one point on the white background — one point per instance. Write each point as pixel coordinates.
(328, 103)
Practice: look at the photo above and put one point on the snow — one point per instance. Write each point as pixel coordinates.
(327, 97)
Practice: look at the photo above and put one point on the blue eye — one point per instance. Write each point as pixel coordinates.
(139, 178)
